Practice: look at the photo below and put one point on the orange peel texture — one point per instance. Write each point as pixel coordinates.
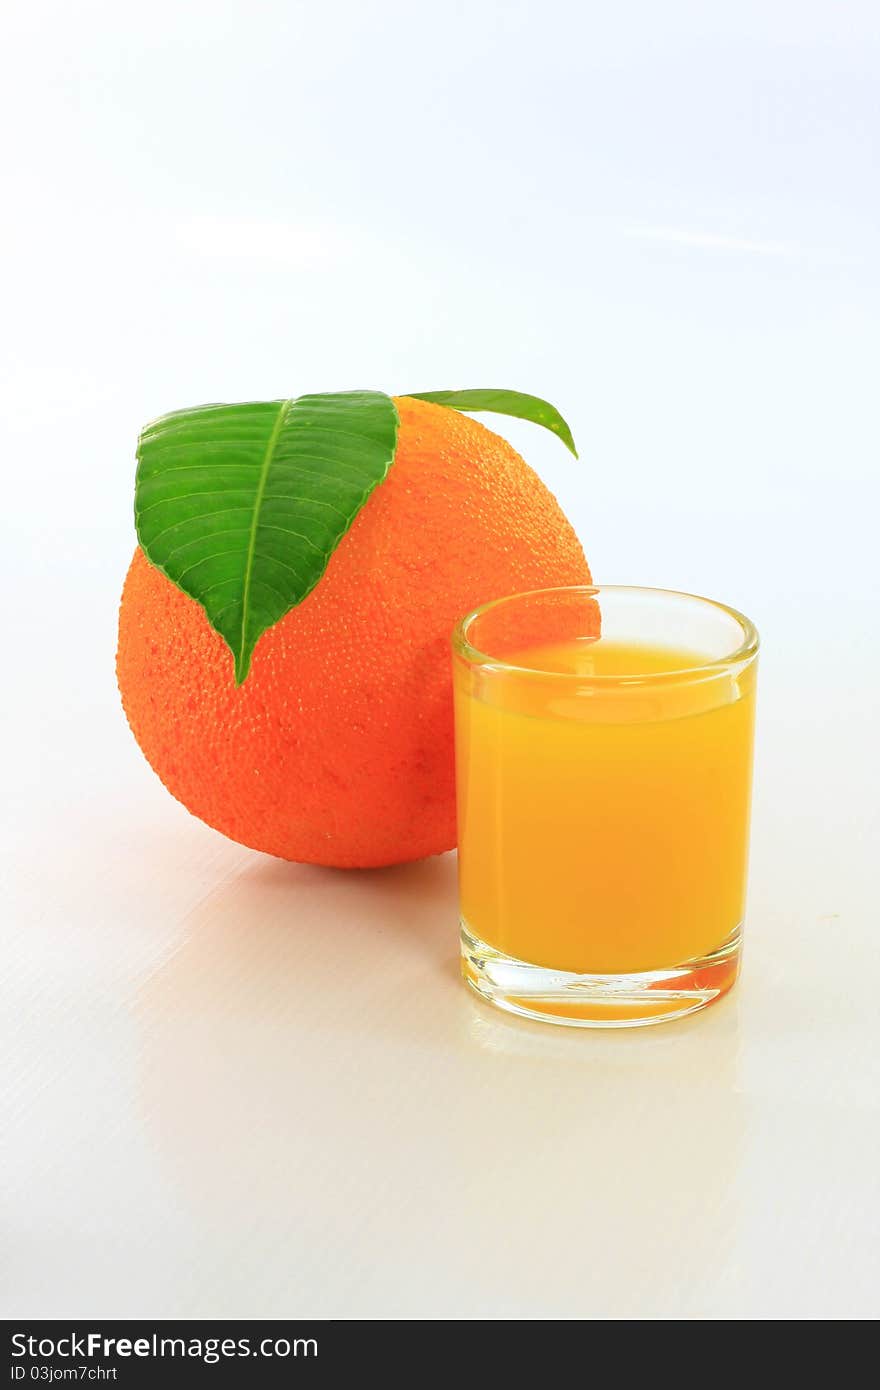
(338, 748)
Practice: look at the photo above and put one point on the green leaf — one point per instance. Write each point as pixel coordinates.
(516, 403)
(241, 506)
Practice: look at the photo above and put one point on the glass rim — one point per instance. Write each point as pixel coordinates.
(746, 651)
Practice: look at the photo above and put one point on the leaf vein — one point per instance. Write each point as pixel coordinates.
(283, 413)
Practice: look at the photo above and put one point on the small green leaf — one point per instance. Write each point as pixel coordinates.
(516, 403)
(241, 506)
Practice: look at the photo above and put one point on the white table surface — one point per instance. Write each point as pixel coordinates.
(242, 1088)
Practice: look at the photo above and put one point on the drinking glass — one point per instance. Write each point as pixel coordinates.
(604, 763)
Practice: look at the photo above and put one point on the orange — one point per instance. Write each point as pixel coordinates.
(338, 747)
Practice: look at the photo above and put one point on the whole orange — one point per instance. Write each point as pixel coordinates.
(338, 748)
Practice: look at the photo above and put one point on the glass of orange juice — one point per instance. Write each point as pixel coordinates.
(604, 765)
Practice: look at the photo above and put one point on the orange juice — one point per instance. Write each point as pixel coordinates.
(603, 823)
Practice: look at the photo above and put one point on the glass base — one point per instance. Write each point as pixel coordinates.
(598, 1001)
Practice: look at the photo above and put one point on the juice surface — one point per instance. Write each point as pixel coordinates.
(603, 828)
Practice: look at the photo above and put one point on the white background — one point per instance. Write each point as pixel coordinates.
(239, 1087)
